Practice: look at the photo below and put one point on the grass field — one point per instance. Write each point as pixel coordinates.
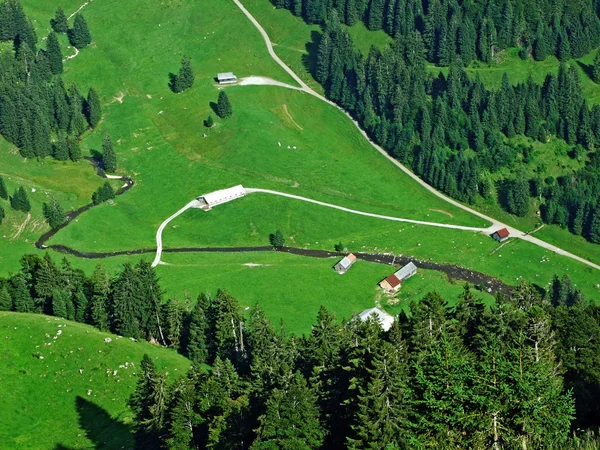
(72, 184)
(76, 396)
(292, 288)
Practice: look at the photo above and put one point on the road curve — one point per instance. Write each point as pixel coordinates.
(193, 204)
(362, 213)
(496, 224)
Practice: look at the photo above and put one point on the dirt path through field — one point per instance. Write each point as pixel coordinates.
(285, 108)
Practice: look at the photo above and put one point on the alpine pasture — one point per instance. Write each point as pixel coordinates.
(66, 384)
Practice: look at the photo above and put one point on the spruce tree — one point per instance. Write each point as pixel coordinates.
(53, 213)
(2, 214)
(594, 232)
(223, 106)
(22, 301)
(276, 239)
(3, 191)
(185, 78)
(80, 303)
(142, 403)
(209, 122)
(60, 299)
(291, 419)
(5, 299)
(109, 157)
(93, 110)
(19, 201)
(99, 291)
(79, 35)
(59, 22)
(596, 69)
(60, 149)
(54, 54)
(197, 348)
(74, 150)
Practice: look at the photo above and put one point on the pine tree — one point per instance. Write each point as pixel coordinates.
(209, 122)
(125, 307)
(291, 419)
(109, 157)
(19, 201)
(53, 213)
(3, 191)
(197, 348)
(225, 329)
(596, 69)
(103, 193)
(93, 112)
(184, 419)
(54, 54)
(74, 150)
(59, 22)
(79, 35)
(223, 106)
(5, 299)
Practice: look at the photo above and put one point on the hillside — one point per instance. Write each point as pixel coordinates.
(64, 386)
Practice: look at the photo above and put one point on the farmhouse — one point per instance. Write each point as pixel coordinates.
(501, 235)
(222, 196)
(345, 263)
(226, 78)
(384, 319)
(393, 282)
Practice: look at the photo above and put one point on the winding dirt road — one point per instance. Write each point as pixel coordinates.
(496, 224)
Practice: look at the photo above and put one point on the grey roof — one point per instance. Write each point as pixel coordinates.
(384, 319)
(225, 75)
(346, 262)
(405, 271)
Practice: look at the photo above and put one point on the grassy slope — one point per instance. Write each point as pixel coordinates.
(72, 184)
(158, 133)
(45, 402)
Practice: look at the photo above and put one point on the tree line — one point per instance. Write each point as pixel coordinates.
(38, 113)
(470, 30)
(455, 133)
(520, 373)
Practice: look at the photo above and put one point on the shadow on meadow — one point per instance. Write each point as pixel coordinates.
(104, 431)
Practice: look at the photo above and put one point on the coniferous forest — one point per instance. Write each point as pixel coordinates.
(38, 113)
(453, 131)
(521, 373)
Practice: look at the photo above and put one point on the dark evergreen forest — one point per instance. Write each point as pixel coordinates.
(471, 29)
(453, 131)
(38, 113)
(521, 373)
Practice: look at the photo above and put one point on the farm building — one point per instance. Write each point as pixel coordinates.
(345, 263)
(501, 235)
(394, 281)
(226, 78)
(384, 319)
(222, 196)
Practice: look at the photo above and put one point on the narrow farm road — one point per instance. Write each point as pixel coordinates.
(496, 224)
(362, 213)
(193, 204)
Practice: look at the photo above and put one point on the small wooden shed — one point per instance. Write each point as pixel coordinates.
(501, 235)
(345, 263)
(226, 78)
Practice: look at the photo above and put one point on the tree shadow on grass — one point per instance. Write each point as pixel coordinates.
(310, 60)
(104, 431)
(588, 69)
(213, 106)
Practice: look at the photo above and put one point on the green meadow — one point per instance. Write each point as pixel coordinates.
(63, 386)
